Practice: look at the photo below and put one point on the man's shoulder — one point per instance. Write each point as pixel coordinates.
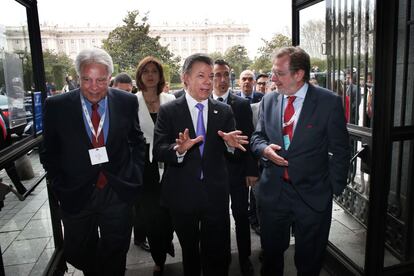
(63, 98)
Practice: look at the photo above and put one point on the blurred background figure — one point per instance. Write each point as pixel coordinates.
(166, 88)
(123, 81)
(261, 83)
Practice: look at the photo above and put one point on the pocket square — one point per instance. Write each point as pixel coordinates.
(309, 126)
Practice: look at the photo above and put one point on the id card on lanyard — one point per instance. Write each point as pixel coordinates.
(97, 155)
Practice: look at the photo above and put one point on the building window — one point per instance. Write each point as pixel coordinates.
(72, 41)
(61, 41)
(229, 37)
(83, 40)
(93, 40)
(17, 41)
(183, 39)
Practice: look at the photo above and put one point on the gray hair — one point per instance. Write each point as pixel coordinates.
(94, 55)
(189, 62)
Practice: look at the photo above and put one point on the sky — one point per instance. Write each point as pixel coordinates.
(264, 18)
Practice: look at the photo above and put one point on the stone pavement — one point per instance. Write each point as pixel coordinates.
(27, 244)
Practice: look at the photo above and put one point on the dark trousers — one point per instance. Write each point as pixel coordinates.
(239, 195)
(253, 219)
(103, 252)
(159, 228)
(205, 241)
(140, 233)
(311, 234)
(14, 177)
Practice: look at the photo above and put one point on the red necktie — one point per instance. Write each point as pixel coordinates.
(288, 127)
(96, 118)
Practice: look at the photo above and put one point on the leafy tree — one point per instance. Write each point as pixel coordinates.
(216, 56)
(56, 67)
(278, 41)
(238, 59)
(130, 43)
(262, 63)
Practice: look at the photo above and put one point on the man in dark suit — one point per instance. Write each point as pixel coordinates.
(179, 93)
(93, 153)
(192, 136)
(243, 170)
(247, 82)
(302, 140)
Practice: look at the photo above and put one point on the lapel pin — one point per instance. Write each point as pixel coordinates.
(215, 111)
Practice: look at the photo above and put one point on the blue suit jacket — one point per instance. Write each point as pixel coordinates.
(257, 96)
(319, 152)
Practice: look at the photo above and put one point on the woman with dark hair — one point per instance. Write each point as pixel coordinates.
(150, 81)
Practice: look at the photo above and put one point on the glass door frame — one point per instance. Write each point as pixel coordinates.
(386, 21)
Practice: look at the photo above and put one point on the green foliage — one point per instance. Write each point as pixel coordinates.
(216, 55)
(278, 41)
(262, 63)
(130, 43)
(57, 66)
(238, 59)
(321, 63)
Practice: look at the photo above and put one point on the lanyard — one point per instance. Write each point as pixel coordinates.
(88, 119)
(292, 119)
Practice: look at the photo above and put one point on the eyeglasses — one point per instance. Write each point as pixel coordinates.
(280, 74)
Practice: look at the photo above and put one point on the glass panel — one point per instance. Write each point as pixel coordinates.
(404, 83)
(398, 245)
(313, 41)
(16, 80)
(350, 66)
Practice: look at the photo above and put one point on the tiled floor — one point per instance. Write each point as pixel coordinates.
(27, 244)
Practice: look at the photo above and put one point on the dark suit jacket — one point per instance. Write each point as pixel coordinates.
(179, 93)
(182, 190)
(257, 96)
(242, 164)
(65, 156)
(320, 132)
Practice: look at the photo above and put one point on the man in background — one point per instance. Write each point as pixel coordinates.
(123, 81)
(247, 82)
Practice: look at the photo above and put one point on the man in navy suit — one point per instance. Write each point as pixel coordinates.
(247, 83)
(192, 136)
(93, 152)
(243, 170)
(303, 143)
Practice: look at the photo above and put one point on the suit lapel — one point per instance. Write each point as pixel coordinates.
(111, 114)
(212, 123)
(308, 109)
(77, 118)
(274, 118)
(186, 115)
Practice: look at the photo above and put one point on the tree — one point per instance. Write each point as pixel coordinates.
(262, 63)
(216, 55)
(130, 43)
(238, 59)
(278, 41)
(56, 67)
(312, 36)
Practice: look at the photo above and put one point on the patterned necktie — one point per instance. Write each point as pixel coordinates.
(97, 143)
(200, 126)
(288, 127)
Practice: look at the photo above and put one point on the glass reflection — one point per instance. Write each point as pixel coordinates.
(15, 75)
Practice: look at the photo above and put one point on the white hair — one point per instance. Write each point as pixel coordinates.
(94, 55)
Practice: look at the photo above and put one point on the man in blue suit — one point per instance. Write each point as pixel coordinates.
(303, 143)
(247, 82)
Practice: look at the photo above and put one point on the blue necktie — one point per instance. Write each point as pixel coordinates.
(200, 126)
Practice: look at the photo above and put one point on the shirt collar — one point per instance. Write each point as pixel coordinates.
(301, 93)
(192, 102)
(224, 96)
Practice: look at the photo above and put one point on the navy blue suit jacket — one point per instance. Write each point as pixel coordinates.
(182, 190)
(65, 156)
(319, 152)
(257, 96)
